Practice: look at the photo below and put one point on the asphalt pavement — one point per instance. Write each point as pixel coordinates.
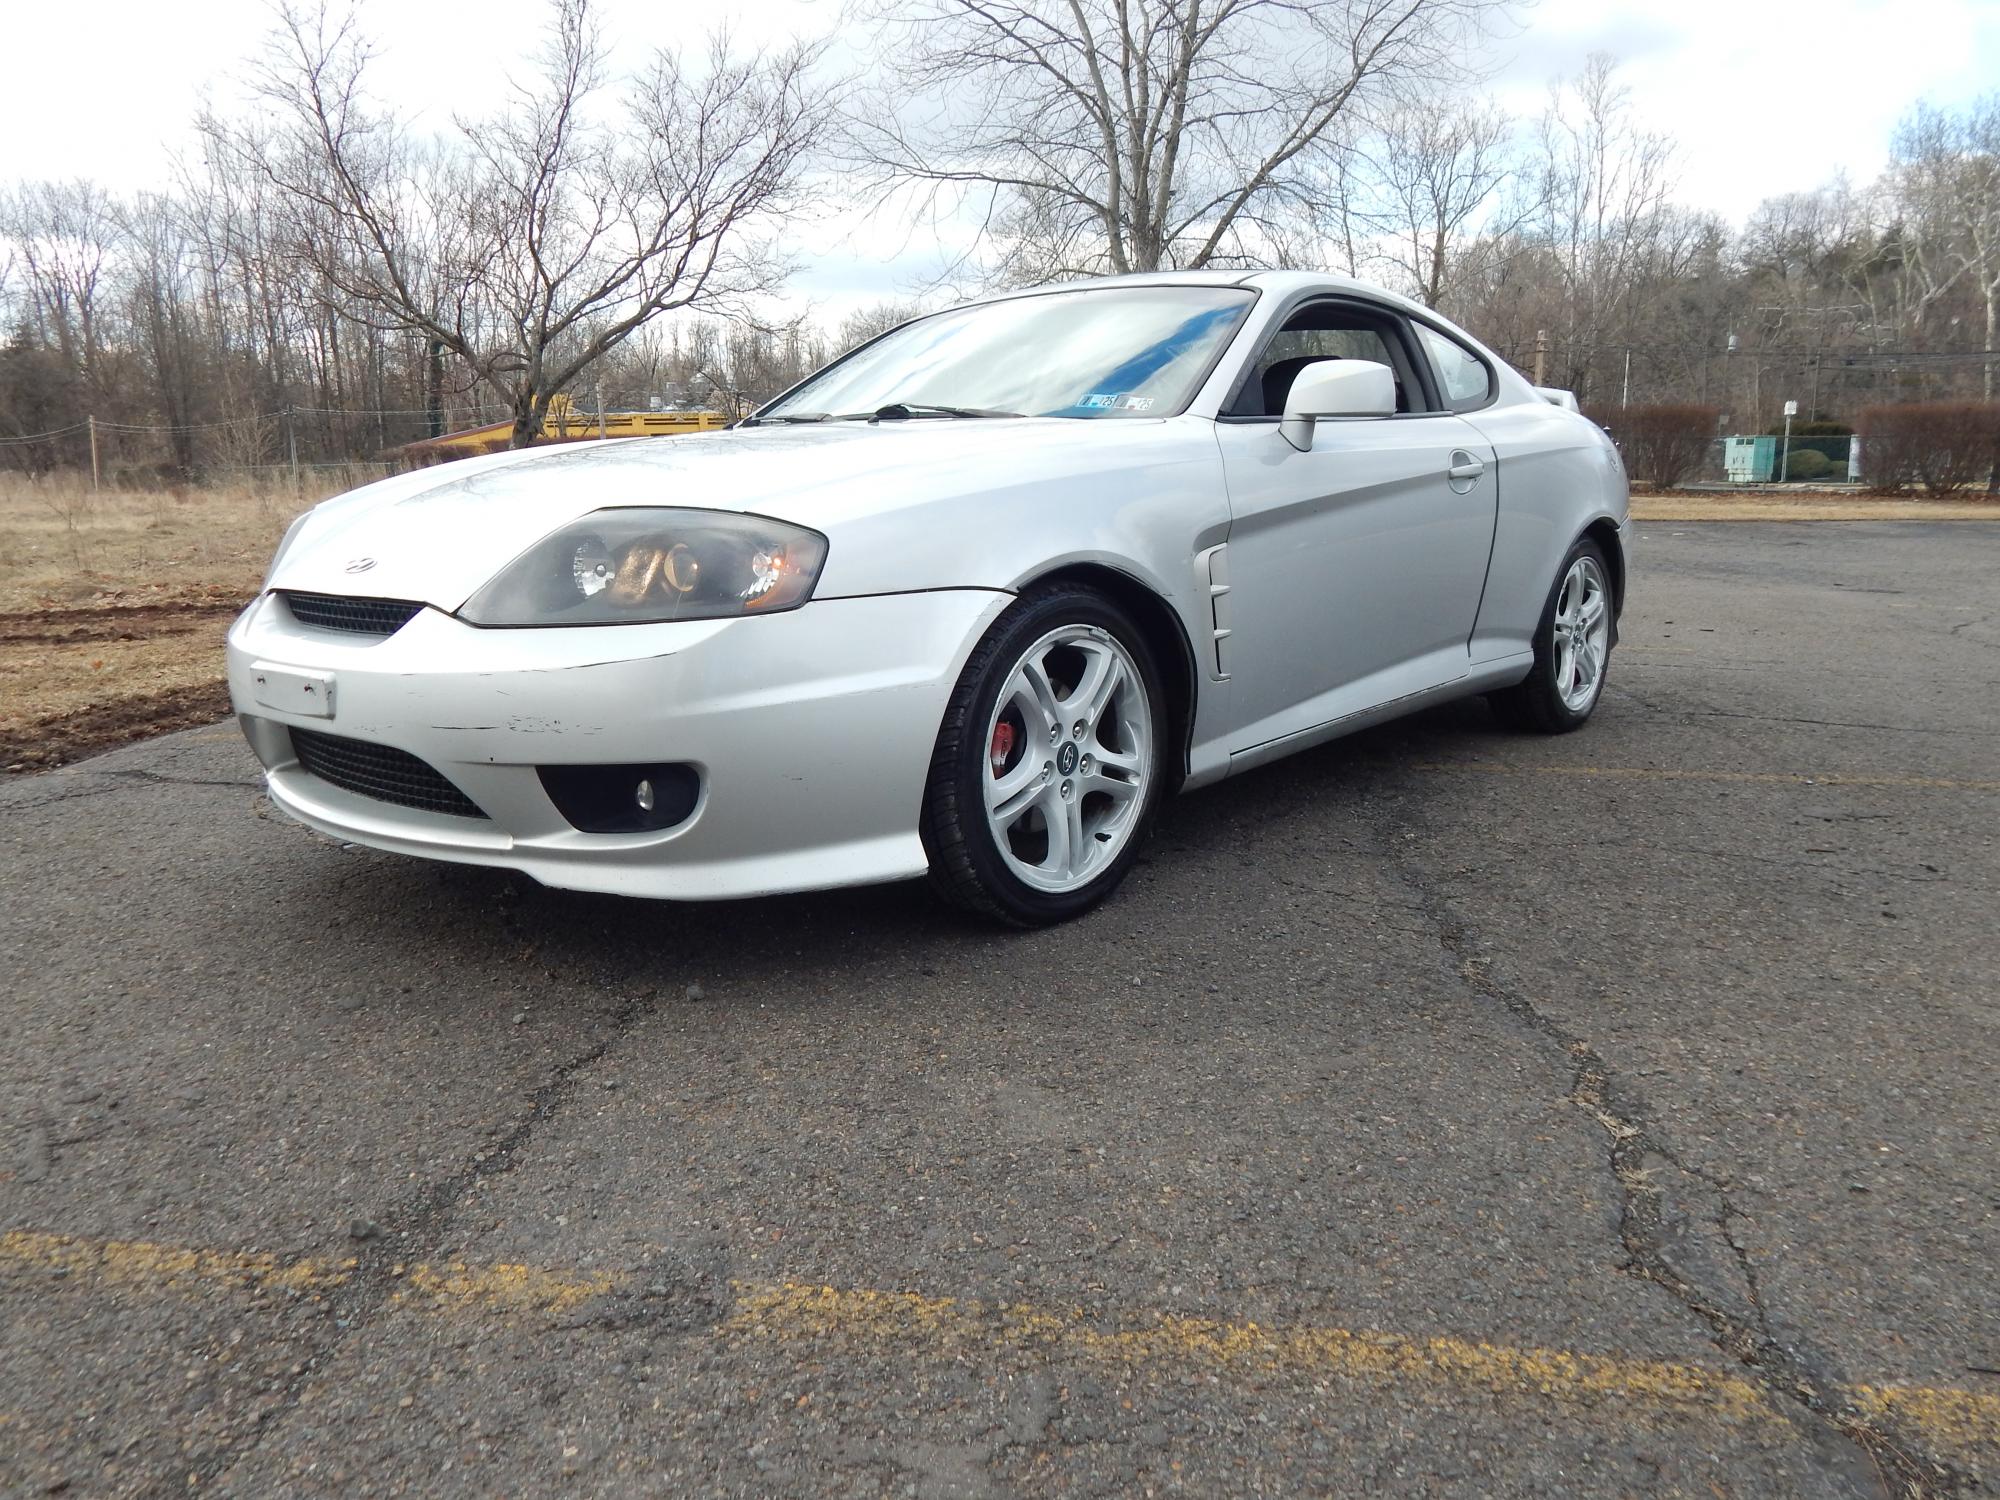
(1442, 1112)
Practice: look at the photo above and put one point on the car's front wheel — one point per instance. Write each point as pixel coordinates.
(1572, 649)
(1047, 765)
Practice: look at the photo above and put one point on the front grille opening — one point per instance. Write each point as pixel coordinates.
(381, 772)
(356, 616)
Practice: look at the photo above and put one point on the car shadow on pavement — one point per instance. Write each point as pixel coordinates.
(1203, 836)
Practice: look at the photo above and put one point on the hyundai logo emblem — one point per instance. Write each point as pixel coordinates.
(361, 565)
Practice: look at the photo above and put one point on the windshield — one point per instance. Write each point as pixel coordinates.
(1099, 352)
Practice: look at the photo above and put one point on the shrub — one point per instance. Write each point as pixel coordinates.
(1811, 429)
(1808, 463)
(1662, 445)
(1942, 445)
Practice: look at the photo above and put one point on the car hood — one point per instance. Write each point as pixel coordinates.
(437, 535)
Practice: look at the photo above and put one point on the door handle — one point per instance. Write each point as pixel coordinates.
(1465, 466)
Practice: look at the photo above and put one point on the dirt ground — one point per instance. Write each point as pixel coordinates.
(113, 608)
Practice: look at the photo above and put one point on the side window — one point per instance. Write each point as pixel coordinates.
(1322, 331)
(1462, 375)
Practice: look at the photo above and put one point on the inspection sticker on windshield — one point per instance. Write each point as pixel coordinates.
(1117, 402)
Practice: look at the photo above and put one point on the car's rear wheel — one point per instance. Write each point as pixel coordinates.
(1572, 649)
(1047, 764)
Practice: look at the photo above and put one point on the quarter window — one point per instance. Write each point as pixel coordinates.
(1462, 375)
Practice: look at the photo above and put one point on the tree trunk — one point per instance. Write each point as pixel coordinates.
(1991, 351)
(529, 409)
(434, 391)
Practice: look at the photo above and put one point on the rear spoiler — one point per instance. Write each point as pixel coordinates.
(1565, 399)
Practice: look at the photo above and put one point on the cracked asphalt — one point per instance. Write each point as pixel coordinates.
(1443, 1112)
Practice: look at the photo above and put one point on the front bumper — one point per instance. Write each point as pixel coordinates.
(812, 732)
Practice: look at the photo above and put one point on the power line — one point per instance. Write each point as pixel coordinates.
(42, 437)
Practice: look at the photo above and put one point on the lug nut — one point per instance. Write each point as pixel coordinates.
(1065, 788)
(1080, 727)
(1087, 764)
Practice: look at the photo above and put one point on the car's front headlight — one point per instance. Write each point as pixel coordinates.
(627, 567)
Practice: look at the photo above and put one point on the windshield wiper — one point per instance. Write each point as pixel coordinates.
(898, 411)
(785, 416)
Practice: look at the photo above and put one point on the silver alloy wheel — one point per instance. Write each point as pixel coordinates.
(1066, 756)
(1582, 634)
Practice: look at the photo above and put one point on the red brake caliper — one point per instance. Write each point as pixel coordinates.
(1003, 745)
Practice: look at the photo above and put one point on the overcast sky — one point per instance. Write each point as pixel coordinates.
(1764, 96)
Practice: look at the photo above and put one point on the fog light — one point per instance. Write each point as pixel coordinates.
(623, 799)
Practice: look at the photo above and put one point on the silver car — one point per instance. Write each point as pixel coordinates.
(969, 601)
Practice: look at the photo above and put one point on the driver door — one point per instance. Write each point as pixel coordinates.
(1354, 569)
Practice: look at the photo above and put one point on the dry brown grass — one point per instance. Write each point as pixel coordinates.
(114, 604)
(61, 546)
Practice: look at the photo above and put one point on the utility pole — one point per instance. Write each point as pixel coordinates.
(292, 445)
(1785, 464)
(94, 481)
(600, 408)
(1541, 356)
(1625, 400)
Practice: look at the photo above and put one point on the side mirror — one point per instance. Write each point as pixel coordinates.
(1336, 388)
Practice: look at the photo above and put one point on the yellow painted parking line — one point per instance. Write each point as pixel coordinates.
(510, 1287)
(793, 1313)
(1752, 778)
(138, 1263)
(907, 1319)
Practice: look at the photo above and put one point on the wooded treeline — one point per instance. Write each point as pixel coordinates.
(326, 282)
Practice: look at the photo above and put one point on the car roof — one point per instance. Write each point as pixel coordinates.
(1282, 283)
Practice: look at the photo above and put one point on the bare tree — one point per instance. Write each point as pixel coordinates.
(1946, 180)
(530, 243)
(863, 324)
(1604, 188)
(1441, 165)
(1132, 135)
(65, 236)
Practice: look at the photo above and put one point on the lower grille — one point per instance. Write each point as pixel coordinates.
(378, 771)
(356, 616)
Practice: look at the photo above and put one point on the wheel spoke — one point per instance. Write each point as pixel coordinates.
(1009, 796)
(1034, 696)
(1093, 694)
(1118, 790)
(1055, 817)
(1081, 845)
(1566, 604)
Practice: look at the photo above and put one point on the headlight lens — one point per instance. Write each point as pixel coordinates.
(627, 567)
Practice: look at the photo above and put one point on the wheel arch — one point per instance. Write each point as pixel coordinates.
(1165, 633)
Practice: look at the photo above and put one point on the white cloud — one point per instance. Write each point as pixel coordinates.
(1765, 98)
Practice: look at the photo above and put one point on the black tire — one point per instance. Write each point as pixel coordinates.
(966, 865)
(1536, 704)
